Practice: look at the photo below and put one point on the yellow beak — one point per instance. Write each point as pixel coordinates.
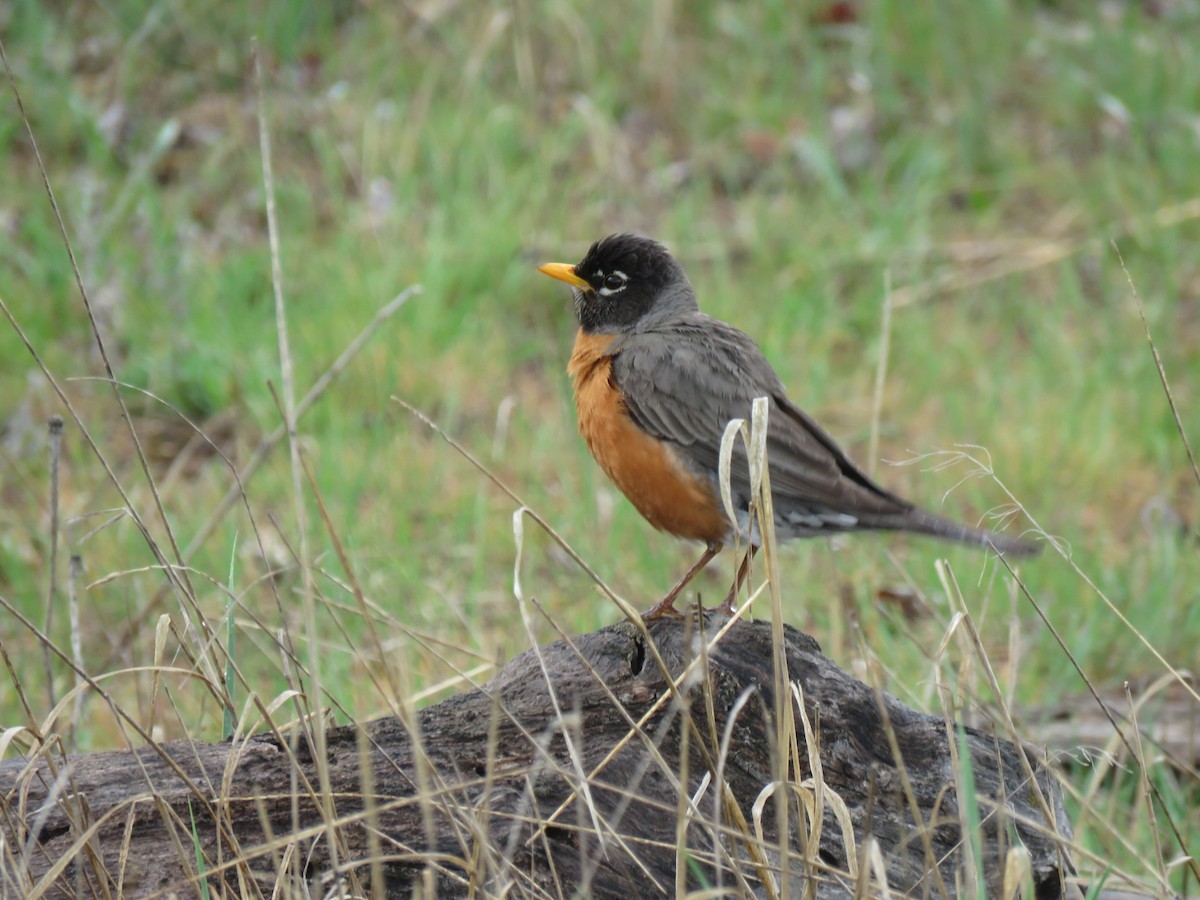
(564, 272)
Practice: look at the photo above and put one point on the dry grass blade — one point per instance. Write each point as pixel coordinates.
(946, 574)
(1146, 795)
(819, 792)
(308, 593)
(572, 748)
(74, 576)
(288, 405)
(1191, 861)
(1158, 365)
(56, 438)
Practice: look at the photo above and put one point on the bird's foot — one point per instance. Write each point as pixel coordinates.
(664, 608)
(729, 607)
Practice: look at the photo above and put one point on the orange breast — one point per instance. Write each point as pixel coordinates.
(657, 482)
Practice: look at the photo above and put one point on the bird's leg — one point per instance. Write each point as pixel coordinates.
(729, 607)
(666, 606)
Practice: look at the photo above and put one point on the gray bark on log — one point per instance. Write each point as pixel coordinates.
(496, 762)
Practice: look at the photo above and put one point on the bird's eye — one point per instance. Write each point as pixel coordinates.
(615, 280)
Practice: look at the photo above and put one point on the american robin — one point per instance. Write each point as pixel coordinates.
(656, 381)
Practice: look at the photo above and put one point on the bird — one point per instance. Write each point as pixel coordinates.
(656, 381)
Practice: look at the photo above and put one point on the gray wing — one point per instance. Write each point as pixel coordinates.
(685, 386)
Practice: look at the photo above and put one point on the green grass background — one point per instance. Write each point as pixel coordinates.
(979, 158)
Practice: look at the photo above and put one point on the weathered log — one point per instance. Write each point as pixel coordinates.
(499, 760)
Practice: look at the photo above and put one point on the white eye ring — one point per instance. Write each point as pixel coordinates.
(614, 284)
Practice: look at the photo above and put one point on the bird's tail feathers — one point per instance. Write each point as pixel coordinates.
(922, 522)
